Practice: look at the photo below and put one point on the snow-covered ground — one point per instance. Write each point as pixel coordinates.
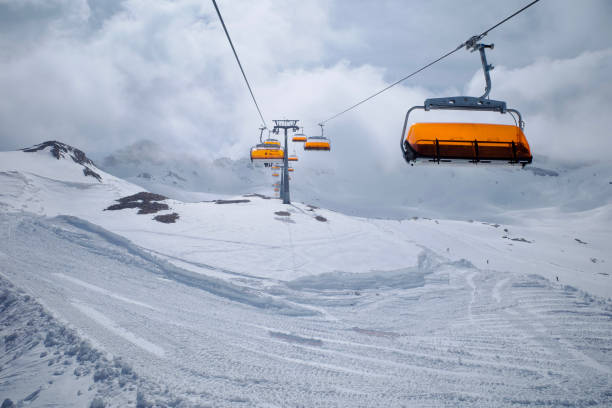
(259, 304)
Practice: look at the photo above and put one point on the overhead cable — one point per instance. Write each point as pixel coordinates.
(239, 64)
(469, 43)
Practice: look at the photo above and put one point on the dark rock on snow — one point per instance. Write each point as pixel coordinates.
(144, 201)
(167, 218)
(89, 172)
(7, 403)
(231, 201)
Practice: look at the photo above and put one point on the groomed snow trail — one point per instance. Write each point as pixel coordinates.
(438, 334)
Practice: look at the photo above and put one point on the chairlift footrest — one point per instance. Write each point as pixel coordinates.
(465, 103)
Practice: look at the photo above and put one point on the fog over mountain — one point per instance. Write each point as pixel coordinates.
(460, 192)
(159, 167)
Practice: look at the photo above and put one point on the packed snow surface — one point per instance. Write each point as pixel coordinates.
(255, 303)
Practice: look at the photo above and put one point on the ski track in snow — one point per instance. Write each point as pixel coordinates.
(97, 289)
(496, 292)
(470, 281)
(113, 327)
(453, 335)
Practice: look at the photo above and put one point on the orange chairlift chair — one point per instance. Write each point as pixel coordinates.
(467, 142)
(318, 142)
(267, 154)
(299, 137)
(270, 141)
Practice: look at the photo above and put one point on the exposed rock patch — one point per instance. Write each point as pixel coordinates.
(521, 240)
(231, 201)
(59, 150)
(7, 403)
(167, 218)
(283, 213)
(320, 218)
(144, 196)
(89, 172)
(147, 203)
(518, 239)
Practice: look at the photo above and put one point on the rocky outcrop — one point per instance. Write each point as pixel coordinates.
(61, 150)
(146, 202)
(167, 218)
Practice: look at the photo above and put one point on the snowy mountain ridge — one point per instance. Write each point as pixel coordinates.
(60, 150)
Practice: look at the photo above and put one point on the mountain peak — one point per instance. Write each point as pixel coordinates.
(60, 150)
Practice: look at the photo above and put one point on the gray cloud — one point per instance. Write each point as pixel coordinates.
(102, 75)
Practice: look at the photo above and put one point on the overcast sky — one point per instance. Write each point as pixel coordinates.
(103, 74)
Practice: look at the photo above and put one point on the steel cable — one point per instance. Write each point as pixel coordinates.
(239, 64)
(469, 42)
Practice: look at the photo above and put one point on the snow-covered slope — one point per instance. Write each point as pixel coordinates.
(261, 237)
(41, 182)
(247, 302)
(255, 236)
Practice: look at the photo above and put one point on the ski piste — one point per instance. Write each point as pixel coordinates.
(242, 301)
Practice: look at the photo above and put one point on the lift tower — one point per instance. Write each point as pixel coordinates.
(285, 124)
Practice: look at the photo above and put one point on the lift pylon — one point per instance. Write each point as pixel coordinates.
(285, 124)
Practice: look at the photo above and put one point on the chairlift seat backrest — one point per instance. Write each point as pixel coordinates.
(473, 142)
(317, 143)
